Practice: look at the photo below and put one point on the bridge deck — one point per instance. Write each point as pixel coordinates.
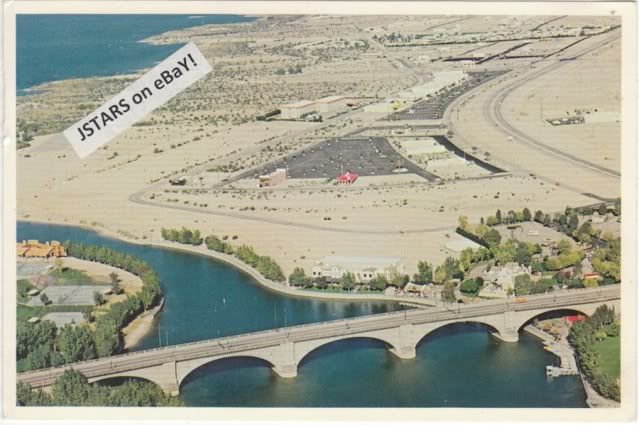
(313, 331)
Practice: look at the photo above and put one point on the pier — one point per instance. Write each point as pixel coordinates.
(561, 349)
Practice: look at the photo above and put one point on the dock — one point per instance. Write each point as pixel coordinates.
(561, 349)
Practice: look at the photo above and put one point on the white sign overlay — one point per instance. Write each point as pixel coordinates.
(153, 89)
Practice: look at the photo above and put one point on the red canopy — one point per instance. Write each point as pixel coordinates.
(347, 177)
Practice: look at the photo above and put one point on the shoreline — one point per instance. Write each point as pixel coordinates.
(35, 89)
(244, 268)
(134, 332)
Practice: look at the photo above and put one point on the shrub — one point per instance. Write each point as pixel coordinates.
(470, 286)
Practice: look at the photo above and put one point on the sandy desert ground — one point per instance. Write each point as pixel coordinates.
(122, 188)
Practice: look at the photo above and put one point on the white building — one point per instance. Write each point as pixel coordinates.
(502, 278)
(296, 110)
(271, 179)
(331, 103)
(364, 268)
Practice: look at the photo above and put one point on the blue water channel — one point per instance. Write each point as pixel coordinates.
(457, 366)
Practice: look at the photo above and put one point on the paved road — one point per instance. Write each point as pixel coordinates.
(137, 198)
(493, 111)
(314, 331)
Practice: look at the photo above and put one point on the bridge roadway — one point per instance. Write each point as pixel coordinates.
(326, 332)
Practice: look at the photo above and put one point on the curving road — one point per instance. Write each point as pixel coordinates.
(275, 337)
(137, 198)
(492, 112)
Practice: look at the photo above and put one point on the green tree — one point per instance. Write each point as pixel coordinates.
(573, 222)
(448, 292)
(424, 272)
(33, 335)
(320, 282)
(25, 396)
(607, 260)
(138, 394)
(39, 357)
(88, 316)
(463, 224)
(214, 243)
(498, 216)
(98, 298)
(378, 283)
(523, 255)
(270, 269)
(492, 237)
(395, 278)
(564, 246)
(523, 284)
(76, 343)
(470, 286)
(466, 259)
(298, 277)
(347, 281)
(504, 253)
(247, 254)
(526, 214)
(71, 389)
(108, 337)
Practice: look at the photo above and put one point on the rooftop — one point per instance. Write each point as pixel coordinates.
(330, 99)
(300, 104)
(359, 261)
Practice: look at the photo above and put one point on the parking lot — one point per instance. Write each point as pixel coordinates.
(433, 108)
(371, 156)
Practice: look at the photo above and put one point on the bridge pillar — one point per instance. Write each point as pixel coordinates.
(286, 370)
(284, 363)
(509, 330)
(406, 343)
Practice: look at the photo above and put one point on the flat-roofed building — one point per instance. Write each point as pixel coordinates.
(333, 267)
(332, 103)
(271, 179)
(298, 109)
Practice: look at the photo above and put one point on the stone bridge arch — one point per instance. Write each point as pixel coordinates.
(521, 318)
(494, 326)
(185, 369)
(303, 350)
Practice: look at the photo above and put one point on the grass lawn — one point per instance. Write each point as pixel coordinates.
(24, 286)
(68, 276)
(609, 352)
(24, 312)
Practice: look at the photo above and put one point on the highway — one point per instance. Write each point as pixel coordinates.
(492, 111)
(315, 331)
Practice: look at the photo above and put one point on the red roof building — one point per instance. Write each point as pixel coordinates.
(575, 318)
(347, 178)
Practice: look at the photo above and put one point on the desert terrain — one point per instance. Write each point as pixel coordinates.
(210, 135)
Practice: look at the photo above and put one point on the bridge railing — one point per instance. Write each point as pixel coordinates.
(415, 316)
